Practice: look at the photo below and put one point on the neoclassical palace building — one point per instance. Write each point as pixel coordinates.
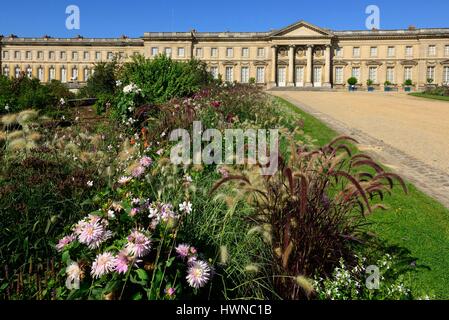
(299, 55)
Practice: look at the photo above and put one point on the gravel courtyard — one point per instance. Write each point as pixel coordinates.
(408, 134)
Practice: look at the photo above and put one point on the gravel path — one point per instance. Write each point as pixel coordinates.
(410, 135)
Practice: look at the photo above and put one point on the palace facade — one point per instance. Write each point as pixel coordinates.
(300, 55)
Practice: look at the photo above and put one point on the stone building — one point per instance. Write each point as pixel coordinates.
(299, 55)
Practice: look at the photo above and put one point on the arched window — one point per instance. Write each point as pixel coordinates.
(63, 74)
(52, 73)
(29, 72)
(40, 74)
(86, 73)
(17, 72)
(6, 71)
(74, 73)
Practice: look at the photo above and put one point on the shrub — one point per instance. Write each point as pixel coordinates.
(352, 81)
(387, 83)
(369, 82)
(408, 82)
(311, 214)
(104, 100)
(102, 81)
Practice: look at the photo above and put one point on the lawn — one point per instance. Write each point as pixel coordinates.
(415, 222)
(429, 96)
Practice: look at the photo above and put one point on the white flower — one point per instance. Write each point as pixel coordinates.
(103, 264)
(6, 107)
(90, 183)
(77, 118)
(185, 207)
(73, 272)
(124, 180)
(62, 101)
(131, 88)
(111, 214)
(118, 83)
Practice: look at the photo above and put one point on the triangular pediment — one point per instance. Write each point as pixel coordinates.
(302, 29)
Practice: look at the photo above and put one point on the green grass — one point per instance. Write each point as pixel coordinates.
(429, 96)
(414, 221)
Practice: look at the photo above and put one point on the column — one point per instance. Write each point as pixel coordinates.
(291, 66)
(309, 70)
(327, 68)
(274, 53)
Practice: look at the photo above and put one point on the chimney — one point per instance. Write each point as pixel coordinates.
(411, 28)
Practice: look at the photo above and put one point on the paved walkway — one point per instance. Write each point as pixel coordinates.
(408, 134)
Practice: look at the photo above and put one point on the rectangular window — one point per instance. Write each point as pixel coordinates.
(74, 55)
(86, 55)
(181, 52)
(446, 51)
(229, 76)
(373, 52)
(391, 52)
(446, 76)
(356, 52)
(339, 52)
(431, 73)
(52, 73)
(214, 72)
(6, 71)
(390, 74)
(373, 74)
(63, 55)
(199, 52)
(260, 75)
(408, 73)
(356, 73)
(245, 52)
(244, 76)
(110, 55)
(40, 55)
(167, 52)
(51, 55)
(97, 55)
(229, 52)
(154, 51)
(74, 74)
(409, 51)
(5, 55)
(28, 55)
(432, 51)
(261, 52)
(339, 75)
(17, 55)
(40, 74)
(214, 52)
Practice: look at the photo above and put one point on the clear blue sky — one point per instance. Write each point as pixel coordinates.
(100, 18)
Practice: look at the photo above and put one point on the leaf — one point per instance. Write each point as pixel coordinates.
(142, 274)
(137, 296)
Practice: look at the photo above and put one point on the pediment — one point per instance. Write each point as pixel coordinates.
(445, 62)
(302, 29)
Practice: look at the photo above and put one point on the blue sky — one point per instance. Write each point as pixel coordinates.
(102, 18)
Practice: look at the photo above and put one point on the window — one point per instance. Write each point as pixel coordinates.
(390, 74)
(29, 72)
(373, 74)
(356, 73)
(97, 55)
(63, 55)
(63, 74)
(391, 52)
(40, 74)
(40, 55)
(373, 51)
(214, 72)
(51, 55)
(214, 52)
(431, 73)
(244, 76)
(408, 73)
(432, 51)
(74, 55)
(86, 74)
(122, 55)
(154, 51)
(339, 52)
(199, 52)
(110, 55)
(5, 55)
(86, 55)
(28, 55)
(339, 75)
(446, 51)
(446, 75)
(17, 55)
(167, 52)
(229, 52)
(229, 76)
(74, 73)
(261, 52)
(245, 52)
(17, 72)
(260, 75)
(52, 73)
(409, 51)
(6, 71)
(181, 52)
(356, 52)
